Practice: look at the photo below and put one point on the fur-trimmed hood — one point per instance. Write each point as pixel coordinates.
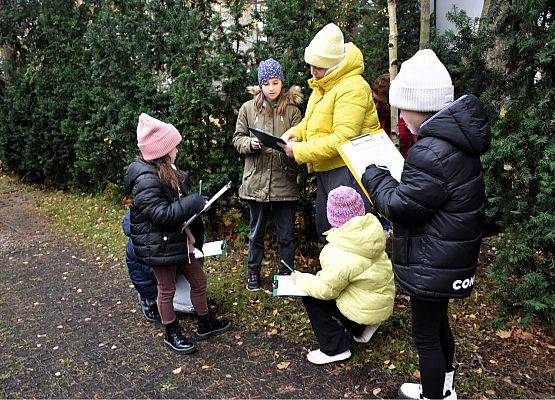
(294, 94)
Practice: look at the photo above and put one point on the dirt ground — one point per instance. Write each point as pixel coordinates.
(70, 327)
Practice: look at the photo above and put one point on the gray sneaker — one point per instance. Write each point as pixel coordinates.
(253, 281)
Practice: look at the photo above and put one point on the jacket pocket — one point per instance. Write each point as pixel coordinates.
(250, 167)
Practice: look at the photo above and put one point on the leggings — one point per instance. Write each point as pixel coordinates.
(434, 342)
(166, 288)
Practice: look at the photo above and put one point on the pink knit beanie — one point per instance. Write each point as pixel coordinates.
(156, 138)
(344, 203)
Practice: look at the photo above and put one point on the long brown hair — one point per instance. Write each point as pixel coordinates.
(169, 176)
(262, 105)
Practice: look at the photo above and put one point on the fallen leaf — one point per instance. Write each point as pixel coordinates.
(376, 391)
(490, 392)
(177, 371)
(205, 367)
(416, 374)
(503, 334)
(524, 335)
(283, 365)
(391, 367)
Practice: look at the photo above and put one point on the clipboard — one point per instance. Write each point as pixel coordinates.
(268, 140)
(371, 148)
(283, 285)
(207, 205)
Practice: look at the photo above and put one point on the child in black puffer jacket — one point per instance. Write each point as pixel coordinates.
(437, 211)
(160, 205)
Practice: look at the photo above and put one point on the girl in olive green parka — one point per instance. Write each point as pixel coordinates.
(355, 286)
(269, 183)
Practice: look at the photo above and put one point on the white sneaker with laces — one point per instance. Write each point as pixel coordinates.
(410, 391)
(367, 334)
(317, 357)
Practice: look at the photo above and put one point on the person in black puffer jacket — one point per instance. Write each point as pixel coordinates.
(437, 210)
(159, 208)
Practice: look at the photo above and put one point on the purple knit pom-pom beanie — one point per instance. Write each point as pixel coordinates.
(344, 203)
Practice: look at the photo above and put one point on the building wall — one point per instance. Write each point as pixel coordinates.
(473, 9)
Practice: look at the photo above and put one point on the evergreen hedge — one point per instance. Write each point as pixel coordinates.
(76, 75)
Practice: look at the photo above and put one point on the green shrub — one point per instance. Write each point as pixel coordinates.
(510, 64)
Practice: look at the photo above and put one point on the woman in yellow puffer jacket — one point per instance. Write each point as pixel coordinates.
(340, 108)
(355, 285)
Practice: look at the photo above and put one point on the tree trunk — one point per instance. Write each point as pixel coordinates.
(6, 56)
(424, 24)
(392, 12)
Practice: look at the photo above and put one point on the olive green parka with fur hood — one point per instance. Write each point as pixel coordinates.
(269, 175)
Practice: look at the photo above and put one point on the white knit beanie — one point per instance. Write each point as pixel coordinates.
(327, 49)
(422, 84)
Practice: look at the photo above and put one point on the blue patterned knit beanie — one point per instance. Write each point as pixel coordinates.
(269, 69)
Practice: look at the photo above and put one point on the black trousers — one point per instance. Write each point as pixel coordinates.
(329, 325)
(326, 182)
(434, 342)
(283, 213)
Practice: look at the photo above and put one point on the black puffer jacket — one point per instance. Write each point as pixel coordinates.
(157, 216)
(438, 207)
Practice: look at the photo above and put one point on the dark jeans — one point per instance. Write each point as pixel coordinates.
(283, 213)
(326, 182)
(166, 288)
(435, 344)
(329, 325)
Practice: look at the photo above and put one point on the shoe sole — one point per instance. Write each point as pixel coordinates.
(179, 351)
(213, 333)
(251, 290)
(401, 395)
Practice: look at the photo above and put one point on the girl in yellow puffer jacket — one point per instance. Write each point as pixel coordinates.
(355, 289)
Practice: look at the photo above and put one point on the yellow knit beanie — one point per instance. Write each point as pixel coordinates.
(327, 49)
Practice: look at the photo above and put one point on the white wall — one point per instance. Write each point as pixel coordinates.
(473, 9)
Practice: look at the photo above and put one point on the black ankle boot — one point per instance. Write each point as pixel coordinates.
(174, 339)
(210, 326)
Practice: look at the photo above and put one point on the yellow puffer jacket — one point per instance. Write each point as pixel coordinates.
(339, 108)
(356, 272)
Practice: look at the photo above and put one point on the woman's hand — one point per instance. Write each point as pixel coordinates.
(288, 149)
(289, 137)
(255, 144)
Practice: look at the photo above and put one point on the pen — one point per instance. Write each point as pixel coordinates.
(200, 187)
(284, 263)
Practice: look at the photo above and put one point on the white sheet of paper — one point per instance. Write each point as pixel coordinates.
(284, 286)
(374, 149)
(211, 249)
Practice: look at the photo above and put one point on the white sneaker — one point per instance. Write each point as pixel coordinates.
(366, 334)
(317, 357)
(448, 386)
(414, 390)
(410, 391)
